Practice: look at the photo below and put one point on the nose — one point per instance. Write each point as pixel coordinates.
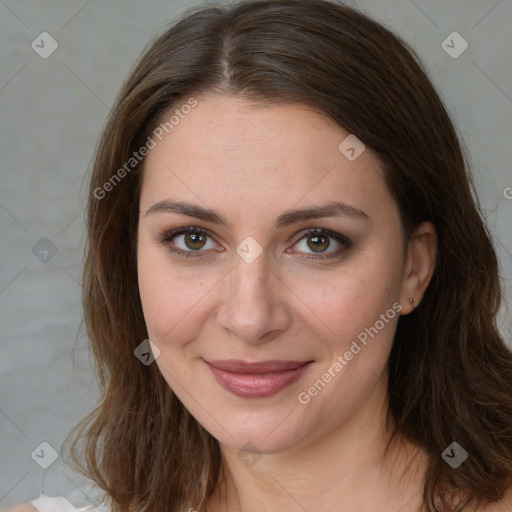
(253, 305)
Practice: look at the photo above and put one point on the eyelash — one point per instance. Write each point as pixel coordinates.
(342, 240)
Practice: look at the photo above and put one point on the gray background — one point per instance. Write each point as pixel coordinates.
(52, 111)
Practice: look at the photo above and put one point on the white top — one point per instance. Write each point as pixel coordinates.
(60, 504)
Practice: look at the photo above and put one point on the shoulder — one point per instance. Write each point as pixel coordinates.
(21, 507)
(502, 505)
(50, 504)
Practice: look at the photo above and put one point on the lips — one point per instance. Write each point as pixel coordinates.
(237, 366)
(258, 379)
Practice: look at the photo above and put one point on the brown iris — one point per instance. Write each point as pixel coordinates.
(195, 240)
(318, 243)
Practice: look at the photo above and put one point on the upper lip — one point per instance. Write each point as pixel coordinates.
(238, 366)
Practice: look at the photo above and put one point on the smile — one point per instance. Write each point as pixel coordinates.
(257, 380)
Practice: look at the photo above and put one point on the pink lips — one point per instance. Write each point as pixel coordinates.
(256, 380)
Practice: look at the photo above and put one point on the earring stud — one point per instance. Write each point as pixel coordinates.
(411, 302)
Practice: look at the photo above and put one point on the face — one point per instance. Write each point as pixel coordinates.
(259, 241)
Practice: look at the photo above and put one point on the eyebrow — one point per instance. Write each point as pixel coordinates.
(333, 209)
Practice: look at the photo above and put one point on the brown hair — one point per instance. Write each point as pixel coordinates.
(450, 371)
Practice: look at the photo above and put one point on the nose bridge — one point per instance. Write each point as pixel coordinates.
(251, 278)
(249, 307)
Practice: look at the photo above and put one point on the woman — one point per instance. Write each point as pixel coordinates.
(280, 204)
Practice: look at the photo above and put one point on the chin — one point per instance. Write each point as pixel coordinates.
(270, 429)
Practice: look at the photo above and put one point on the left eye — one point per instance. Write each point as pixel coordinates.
(315, 243)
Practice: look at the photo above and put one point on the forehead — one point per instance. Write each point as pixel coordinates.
(227, 151)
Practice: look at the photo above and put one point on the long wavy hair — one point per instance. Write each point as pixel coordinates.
(450, 372)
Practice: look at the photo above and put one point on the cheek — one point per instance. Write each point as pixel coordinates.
(344, 302)
(332, 304)
(172, 297)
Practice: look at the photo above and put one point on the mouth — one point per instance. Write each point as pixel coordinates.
(259, 379)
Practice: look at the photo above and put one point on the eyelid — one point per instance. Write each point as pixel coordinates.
(172, 233)
(342, 239)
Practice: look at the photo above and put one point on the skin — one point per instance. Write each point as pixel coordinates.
(251, 164)
(240, 160)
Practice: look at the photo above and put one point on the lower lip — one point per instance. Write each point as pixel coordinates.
(257, 385)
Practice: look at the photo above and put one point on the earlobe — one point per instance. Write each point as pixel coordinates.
(419, 267)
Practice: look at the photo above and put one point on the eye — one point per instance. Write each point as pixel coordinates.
(187, 241)
(314, 243)
(318, 241)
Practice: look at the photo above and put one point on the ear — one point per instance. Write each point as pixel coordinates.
(419, 265)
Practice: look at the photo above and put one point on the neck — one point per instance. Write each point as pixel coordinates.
(347, 470)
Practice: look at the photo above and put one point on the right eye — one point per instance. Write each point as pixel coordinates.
(188, 241)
